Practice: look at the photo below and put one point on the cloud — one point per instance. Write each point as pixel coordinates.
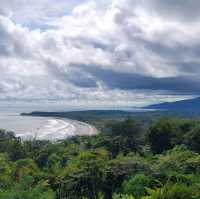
(181, 10)
(172, 9)
(33, 13)
(98, 51)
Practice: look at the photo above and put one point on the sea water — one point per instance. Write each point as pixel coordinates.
(45, 128)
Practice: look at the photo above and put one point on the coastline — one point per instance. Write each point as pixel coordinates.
(60, 129)
(45, 128)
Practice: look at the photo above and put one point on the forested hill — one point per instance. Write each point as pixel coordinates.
(183, 105)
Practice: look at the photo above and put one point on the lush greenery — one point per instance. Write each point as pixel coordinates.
(129, 159)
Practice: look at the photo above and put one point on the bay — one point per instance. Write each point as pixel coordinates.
(43, 128)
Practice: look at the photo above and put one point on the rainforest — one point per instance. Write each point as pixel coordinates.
(128, 159)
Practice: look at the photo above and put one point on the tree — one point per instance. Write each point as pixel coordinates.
(6, 172)
(122, 137)
(83, 176)
(136, 185)
(128, 127)
(123, 196)
(192, 139)
(118, 170)
(27, 190)
(160, 135)
(178, 160)
(174, 191)
(11, 145)
(26, 167)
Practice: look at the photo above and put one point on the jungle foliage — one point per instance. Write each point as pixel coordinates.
(128, 159)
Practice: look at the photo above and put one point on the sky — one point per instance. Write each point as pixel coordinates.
(99, 53)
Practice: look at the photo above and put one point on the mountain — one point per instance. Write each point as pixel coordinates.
(183, 105)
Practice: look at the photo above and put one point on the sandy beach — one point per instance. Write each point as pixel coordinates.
(58, 129)
(41, 128)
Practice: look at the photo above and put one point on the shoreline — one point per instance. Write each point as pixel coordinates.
(60, 129)
(45, 128)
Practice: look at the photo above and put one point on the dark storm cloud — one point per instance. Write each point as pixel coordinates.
(127, 81)
(81, 78)
(179, 56)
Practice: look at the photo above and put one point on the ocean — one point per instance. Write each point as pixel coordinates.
(43, 128)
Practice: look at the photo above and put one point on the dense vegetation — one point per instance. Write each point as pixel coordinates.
(129, 159)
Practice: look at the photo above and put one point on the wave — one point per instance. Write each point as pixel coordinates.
(58, 129)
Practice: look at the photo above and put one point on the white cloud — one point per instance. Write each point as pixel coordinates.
(125, 37)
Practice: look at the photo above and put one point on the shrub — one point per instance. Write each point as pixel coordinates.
(174, 191)
(136, 185)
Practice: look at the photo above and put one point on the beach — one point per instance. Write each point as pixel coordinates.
(43, 128)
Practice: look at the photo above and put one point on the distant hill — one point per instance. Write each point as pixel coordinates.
(183, 105)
